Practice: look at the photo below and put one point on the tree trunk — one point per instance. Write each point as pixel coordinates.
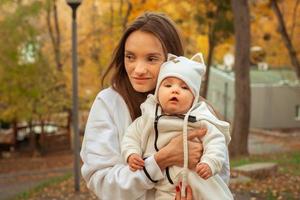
(125, 19)
(121, 8)
(286, 38)
(239, 142)
(32, 139)
(15, 132)
(42, 144)
(111, 24)
(57, 32)
(69, 124)
(209, 61)
(54, 35)
(294, 19)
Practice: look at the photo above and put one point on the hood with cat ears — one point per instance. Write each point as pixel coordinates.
(191, 71)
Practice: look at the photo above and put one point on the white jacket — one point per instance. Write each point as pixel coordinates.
(104, 169)
(141, 138)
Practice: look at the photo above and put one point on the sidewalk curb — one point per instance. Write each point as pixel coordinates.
(274, 133)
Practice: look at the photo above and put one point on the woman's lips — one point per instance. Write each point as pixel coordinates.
(140, 79)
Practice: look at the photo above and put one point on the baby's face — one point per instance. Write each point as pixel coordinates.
(174, 96)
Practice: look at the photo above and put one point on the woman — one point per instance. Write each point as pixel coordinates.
(135, 65)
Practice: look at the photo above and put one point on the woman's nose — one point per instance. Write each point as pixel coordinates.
(140, 68)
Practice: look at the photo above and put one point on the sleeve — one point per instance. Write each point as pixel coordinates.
(225, 172)
(131, 142)
(215, 148)
(103, 168)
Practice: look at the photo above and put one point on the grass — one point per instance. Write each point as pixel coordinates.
(271, 196)
(288, 162)
(284, 185)
(52, 181)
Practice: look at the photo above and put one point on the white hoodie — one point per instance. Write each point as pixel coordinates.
(104, 169)
(140, 138)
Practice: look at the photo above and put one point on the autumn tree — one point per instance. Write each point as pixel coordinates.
(30, 89)
(266, 31)
(239, 142)
(286, 37)
(214, 19)
(54, 31)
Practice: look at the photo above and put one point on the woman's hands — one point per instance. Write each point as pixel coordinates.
(172, 154)
(188, 195)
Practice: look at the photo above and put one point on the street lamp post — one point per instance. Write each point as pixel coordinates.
(74, 5)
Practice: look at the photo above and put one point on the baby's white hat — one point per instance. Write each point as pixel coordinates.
(190, 71)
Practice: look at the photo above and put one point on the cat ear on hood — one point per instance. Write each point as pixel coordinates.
(171, 57)
(198, 57)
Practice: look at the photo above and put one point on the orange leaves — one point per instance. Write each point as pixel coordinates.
(264, 30)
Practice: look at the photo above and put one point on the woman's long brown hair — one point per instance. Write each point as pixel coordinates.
(161, 27)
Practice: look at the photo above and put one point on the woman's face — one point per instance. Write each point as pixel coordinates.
(143, 57)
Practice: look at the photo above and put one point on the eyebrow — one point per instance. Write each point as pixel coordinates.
(127, 51)
(149, 54)
(166, 81)
(155, 54)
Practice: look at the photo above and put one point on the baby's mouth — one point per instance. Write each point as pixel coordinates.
(174, 99)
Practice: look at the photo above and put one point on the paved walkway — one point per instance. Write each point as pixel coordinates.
(268, 142)
(12, 184)
(258, 145)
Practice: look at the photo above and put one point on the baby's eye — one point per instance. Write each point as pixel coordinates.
(185, 87)
(167, 85)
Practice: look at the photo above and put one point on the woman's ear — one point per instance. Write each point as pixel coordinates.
(171, 57)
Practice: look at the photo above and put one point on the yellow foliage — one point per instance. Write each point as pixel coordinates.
(221, 50)
(202, 44)
(264, 31)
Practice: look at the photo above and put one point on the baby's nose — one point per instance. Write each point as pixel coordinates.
(175, 90)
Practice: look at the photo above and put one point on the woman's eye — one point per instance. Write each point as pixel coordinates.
(129, 57)
(152, 59)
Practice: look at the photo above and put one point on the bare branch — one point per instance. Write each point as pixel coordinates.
(286, 39)
(48, 20)
(294, 18)
(125, 19)
(120, 8)
(55, 37)
(57, 31)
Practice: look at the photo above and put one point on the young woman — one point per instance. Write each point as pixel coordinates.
(135, 66)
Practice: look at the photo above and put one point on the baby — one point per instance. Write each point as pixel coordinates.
(174, 109)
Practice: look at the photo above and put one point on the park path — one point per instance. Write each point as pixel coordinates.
(258, 145)
(12, 183)
(268, 142)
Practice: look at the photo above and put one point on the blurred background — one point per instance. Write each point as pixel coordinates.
(36, 140)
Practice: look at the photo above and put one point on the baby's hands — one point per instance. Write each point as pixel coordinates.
(203, 170)
(135, 162)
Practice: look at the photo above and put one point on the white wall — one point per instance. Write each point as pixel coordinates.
(272, 106)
